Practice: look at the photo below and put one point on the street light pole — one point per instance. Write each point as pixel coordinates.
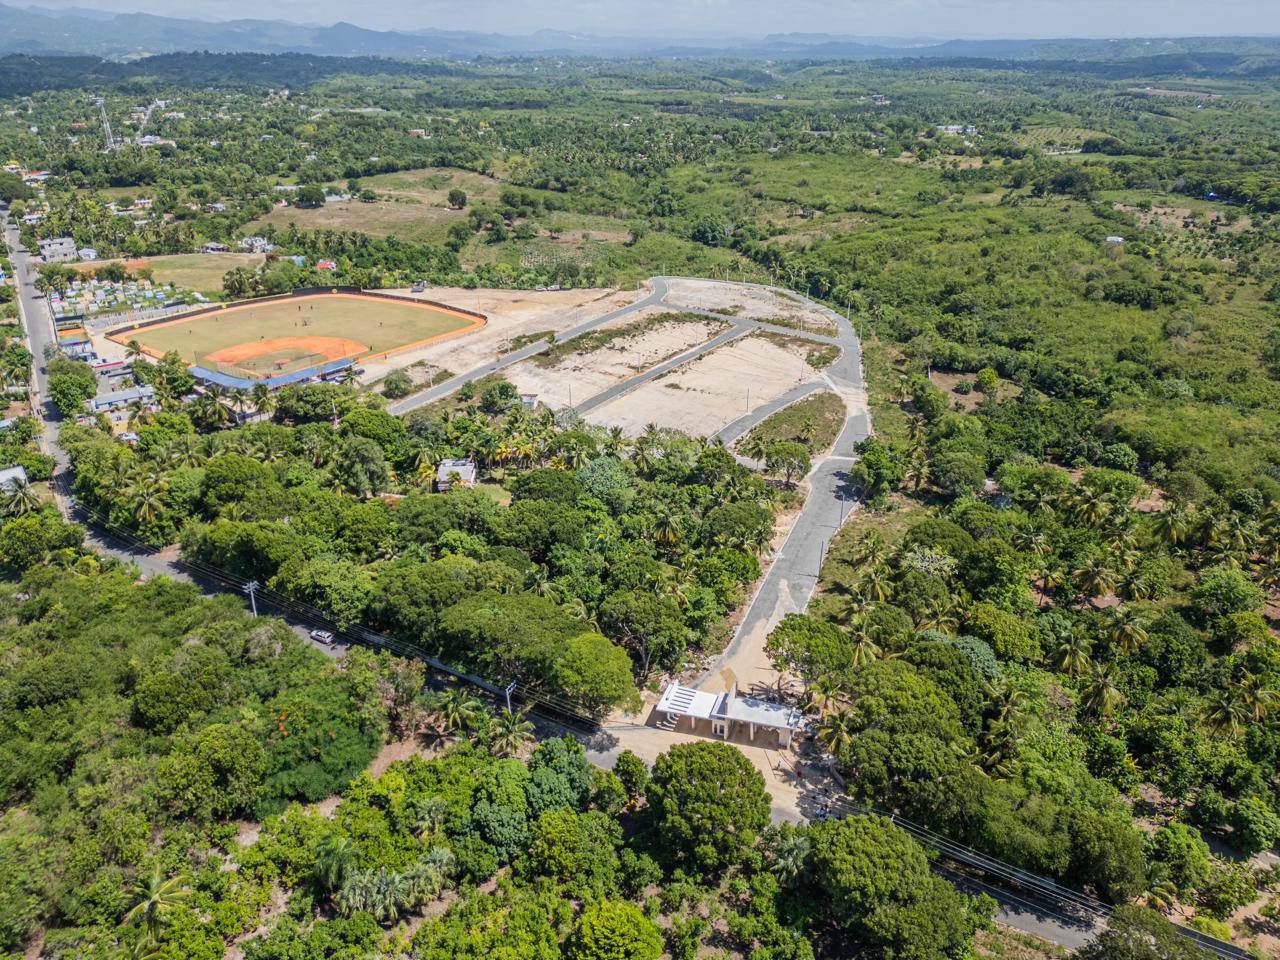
(251, 588)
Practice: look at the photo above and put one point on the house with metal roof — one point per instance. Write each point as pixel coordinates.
(723, 710)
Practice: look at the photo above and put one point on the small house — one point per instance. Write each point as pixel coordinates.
(450, 472)
(12, 477)
(57, 250)
(214, 248)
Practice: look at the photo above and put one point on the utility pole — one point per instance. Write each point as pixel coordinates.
(510, 686)
(252, 588)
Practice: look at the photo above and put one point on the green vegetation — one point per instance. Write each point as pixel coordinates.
(814, 421)
(1050, 634)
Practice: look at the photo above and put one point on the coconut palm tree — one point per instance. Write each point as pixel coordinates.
(823, 696)
(865, 649)
(1225, 712)
(19, 497)
(836, 732)
(1073, 655)
(1172, 525)
(511, 733)
(1127, 629)
(877, 582)
(1099, 696)
(1094, 578)
(452, 710)
(153, 897)
(789, 856)
(1259, 699)
(1160, 895)
(336, 857)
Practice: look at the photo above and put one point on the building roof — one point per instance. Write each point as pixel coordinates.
(10, 476)
(128, 395)
(689, 702)
(279, 380)
(762, 713)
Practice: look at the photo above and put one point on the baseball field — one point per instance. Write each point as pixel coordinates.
(280, 336)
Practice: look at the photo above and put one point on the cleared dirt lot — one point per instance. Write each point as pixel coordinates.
(710, 392)
(511, 313)
(748, 303)
(579, 376)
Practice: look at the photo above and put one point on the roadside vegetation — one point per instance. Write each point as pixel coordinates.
(1049, 632)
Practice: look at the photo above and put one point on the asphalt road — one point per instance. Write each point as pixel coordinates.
(524, 353)
(788, 585)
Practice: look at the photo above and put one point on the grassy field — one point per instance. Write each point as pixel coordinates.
(375, 324)
(194, 271)
(823, 413)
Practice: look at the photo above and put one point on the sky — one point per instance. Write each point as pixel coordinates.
(680, 19)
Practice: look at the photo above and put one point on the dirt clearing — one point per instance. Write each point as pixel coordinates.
(580, 376)
(511, 314)
(710, 392)
(749, 303)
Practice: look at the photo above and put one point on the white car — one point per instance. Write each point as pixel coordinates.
(321, 636)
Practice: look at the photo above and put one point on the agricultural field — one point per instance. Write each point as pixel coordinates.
(283, 335)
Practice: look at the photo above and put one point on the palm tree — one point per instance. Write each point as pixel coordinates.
(20, 497)
(1090, 506)
(756, 447)
(1172, 525)
(1259, 699)
(877, 583)
(1094, 578)
(153, 898)
(823, 695)
(1099, 696)
(336, 857)
(1127, 629)
(1073, 656)
(452, 710)
(865, 649)
(1226, 712)
(790, 855)
(511, 733)
(1160, 895)
(836, 732)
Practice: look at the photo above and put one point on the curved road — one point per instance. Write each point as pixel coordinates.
(787, 586)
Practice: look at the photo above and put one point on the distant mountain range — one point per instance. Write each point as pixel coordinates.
(129, 35)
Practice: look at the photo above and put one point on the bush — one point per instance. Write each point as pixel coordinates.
(397, 384)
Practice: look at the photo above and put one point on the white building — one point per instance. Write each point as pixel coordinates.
(723, 710)
(449, 472)
(11, 477)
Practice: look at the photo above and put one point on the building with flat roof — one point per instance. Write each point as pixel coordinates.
(723, 710)
(58, 250)
(11, 477)
(120, 398)
(449, 472)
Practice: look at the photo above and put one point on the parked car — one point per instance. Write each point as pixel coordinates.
(321, 636)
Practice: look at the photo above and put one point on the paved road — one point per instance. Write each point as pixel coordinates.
(655, 296)
(788, 585)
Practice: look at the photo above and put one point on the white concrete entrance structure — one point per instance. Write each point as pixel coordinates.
(723, 710)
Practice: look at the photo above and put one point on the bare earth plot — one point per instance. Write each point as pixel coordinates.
(578, 376)
(708, 393)
(511, 313)
(748, 303)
